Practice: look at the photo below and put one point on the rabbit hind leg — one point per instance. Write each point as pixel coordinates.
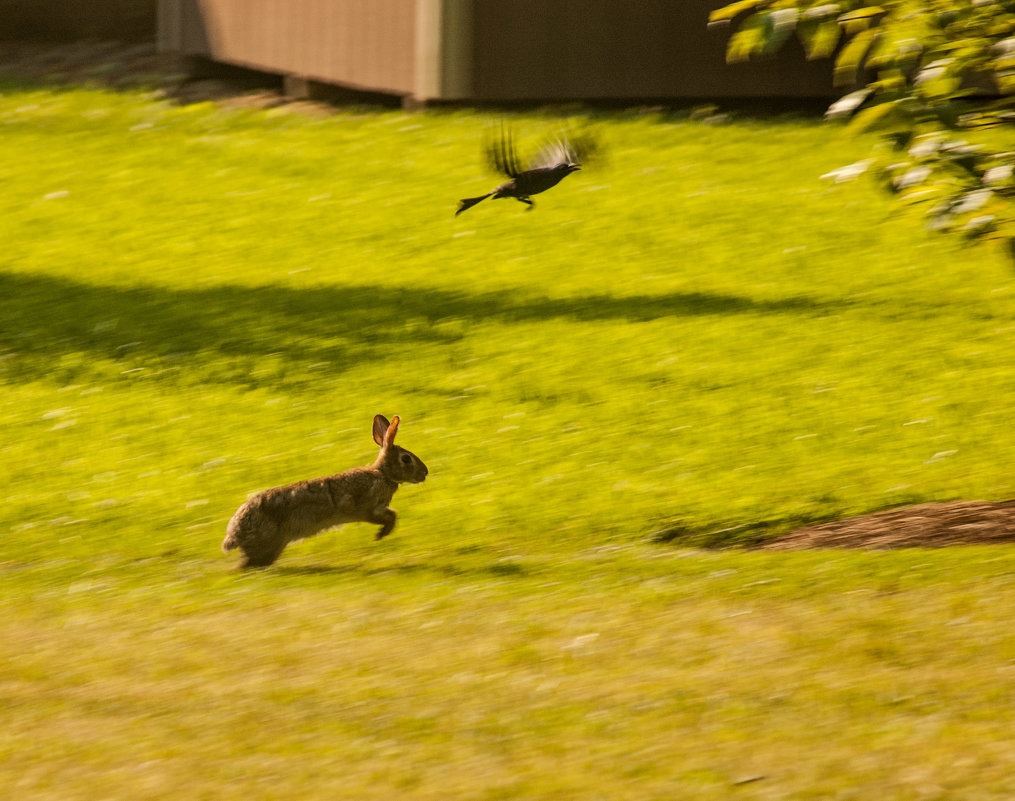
(261, 556)
(263, 548)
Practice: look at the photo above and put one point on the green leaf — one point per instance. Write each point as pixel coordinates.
(845, 106)
(979, 226)
(861, 19)
(968, 202)
(884, 117)
(822, 12)
(1005, 82)
(912, 177)
(778, 26)
(937, 82)
(851, 59)
(862, 13)
(747, 41)
(819, 38)
(726, 13)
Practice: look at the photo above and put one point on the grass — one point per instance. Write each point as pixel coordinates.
(700, 337)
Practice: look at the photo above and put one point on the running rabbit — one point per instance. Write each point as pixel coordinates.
(271, 519)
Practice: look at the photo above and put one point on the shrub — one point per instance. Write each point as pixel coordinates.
(935, 77)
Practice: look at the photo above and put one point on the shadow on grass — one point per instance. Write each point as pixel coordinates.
(43, 318)
(450, 570)
(750, 535)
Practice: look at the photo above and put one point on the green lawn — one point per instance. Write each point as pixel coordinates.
(701, 335)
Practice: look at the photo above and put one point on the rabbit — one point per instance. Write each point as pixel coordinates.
(273, 518)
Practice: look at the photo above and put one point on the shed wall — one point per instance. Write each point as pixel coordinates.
(491, 50)
(72, 20)
(368, 44)
(535, 49)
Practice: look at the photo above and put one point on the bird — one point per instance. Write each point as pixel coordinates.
(558, 159)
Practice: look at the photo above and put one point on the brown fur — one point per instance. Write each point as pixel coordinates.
(271, 519)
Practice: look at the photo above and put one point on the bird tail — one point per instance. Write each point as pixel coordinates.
(469, 202)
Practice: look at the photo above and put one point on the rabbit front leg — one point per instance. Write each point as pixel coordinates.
(386, 516)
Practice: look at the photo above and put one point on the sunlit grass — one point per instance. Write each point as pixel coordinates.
(702, 336)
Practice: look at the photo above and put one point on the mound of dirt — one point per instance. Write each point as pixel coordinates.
(927, 525)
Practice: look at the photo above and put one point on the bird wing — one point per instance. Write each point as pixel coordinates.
(575, 149)
(501, 154)
(556, 151)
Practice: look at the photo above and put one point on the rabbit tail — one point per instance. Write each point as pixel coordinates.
(231, 541)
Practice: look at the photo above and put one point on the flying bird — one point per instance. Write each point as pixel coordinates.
(558, 159)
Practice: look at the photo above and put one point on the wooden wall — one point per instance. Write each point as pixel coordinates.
(68, 20)
(614, 49)
(368, 44)
(491, 50)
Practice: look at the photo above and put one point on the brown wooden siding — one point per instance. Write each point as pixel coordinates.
(368, 44)
(490, 50)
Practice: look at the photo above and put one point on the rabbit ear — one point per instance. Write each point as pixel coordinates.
(381, 425)
(389, 435)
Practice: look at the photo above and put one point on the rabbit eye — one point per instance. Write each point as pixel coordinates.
(406, 458)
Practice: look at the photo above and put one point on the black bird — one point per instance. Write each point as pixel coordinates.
(558, 159)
